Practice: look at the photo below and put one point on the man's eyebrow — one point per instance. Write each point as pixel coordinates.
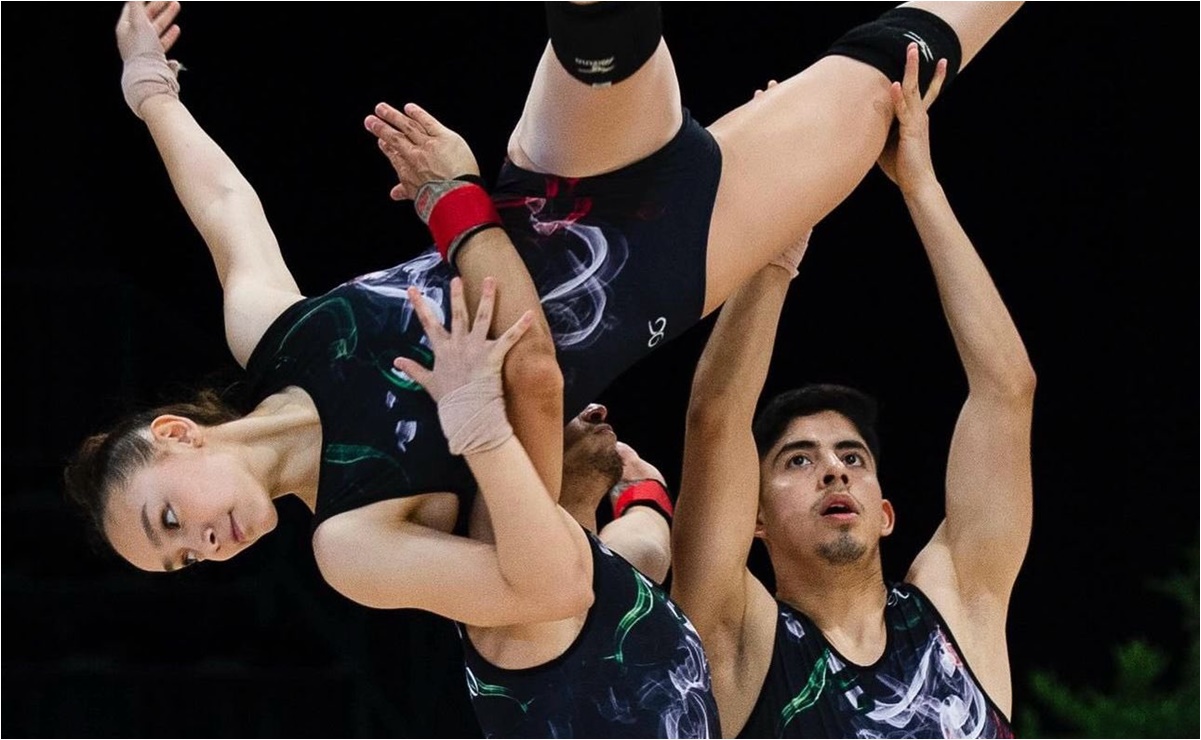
(800, 444)
(851, 444)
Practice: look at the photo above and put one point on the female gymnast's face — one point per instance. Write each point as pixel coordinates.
(195, 501)
(820, 493)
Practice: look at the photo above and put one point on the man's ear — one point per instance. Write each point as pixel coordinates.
(760, 527)
(177, 429)
(890, 518)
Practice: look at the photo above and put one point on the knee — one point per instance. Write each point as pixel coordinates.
(601, 44)
(882, 44)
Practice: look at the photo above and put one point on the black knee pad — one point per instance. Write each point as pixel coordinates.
(882, 44)
(604, 42)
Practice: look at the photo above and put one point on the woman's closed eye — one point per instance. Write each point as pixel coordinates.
(170, 520)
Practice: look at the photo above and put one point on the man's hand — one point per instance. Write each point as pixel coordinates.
(634, 468)
(906, 158)
(419, 147)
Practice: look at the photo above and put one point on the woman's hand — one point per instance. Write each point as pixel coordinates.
(464, 354)
(145, 32)
(465, 379)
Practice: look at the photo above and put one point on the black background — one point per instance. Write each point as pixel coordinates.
(1067, 149)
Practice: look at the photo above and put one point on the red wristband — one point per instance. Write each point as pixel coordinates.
(465, 209)
(647, 492)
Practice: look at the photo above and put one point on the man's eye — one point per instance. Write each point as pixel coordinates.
(170, 521)
(854, 458)
(796, 461)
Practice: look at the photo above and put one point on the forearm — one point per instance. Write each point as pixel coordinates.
(733, 367)
(532, 380)
(987, 340)
(541, 551)
(641, 536)
(218, 199)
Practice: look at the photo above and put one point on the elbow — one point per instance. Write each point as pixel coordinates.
(1015, 383)
(569, 596)
(656, 563)
(1020, 381)
(579, 597)
(709, 415)
(535, 374)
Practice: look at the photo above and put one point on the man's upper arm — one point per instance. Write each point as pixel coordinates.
(714, 527)
(989, 500)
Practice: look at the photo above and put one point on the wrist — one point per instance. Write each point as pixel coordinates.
(147, 76)
(455, 210)
(648, 492)
(919, 190)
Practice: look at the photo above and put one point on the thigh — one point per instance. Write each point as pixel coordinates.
(572, 129)
(788, 158)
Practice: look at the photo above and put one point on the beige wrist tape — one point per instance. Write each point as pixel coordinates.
(473, 417)
(790, 258)
(145, 76)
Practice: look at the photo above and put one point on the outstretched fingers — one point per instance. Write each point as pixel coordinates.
(414, 370)
(162, 15)
(505, 341)
(940, 76)
(483, 313)
(429, 125)
(433, 328)
(459, 320)
(411, 129)
(770, 85)
(906, 95)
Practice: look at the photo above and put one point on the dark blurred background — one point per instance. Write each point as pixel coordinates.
(1065, 148)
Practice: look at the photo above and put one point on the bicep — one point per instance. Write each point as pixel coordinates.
(714, 525)
(989, 499)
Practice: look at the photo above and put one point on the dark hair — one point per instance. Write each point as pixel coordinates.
(108, 460)
(808, 400)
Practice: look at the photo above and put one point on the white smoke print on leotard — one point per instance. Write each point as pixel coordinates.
(921, 689)
(575, 288)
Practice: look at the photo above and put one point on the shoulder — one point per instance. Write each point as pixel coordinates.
(250, 312)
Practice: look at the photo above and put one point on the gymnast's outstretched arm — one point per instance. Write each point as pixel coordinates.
(220, 202)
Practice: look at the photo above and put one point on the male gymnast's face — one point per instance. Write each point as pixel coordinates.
(195, 501)
(819, 495)
(590, 446)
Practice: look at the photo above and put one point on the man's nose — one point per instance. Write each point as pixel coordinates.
(595, 413)
(833, 477)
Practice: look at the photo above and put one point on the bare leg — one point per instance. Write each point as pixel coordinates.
(794, 153)
(572, 129)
